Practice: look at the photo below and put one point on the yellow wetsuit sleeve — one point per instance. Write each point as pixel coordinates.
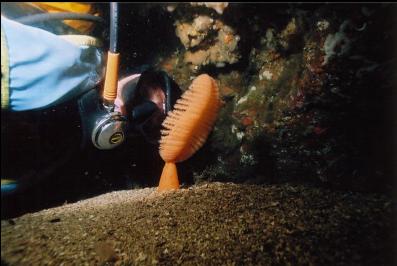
(5, 72)
(87, 8)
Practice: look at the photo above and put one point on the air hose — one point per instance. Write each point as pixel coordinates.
(110, 87)
(167, 92)
(114, 26)
(37, 18)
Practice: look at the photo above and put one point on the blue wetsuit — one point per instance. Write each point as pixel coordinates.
(45, 69)
(41, 69)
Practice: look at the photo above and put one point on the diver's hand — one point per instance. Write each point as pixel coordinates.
(125, 92)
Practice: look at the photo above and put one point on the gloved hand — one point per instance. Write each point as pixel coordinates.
(125, 92)
(44, 69)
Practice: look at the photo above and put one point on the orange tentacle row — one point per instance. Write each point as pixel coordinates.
(187, 127)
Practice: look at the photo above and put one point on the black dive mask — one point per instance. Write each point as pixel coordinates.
(147, 119)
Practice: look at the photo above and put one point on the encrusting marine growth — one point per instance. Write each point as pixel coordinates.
(187, 127)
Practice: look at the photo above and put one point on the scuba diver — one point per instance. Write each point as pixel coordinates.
(53, 72)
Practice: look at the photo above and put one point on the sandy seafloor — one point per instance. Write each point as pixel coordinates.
(207, 224)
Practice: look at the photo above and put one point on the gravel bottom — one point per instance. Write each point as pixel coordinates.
(216, 223)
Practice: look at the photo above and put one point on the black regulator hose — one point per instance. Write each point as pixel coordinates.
(37, 18)
(168, 95)
(114, 24)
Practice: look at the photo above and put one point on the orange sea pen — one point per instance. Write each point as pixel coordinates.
(187, 127)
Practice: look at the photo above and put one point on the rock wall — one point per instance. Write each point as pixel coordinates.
(307, 90)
